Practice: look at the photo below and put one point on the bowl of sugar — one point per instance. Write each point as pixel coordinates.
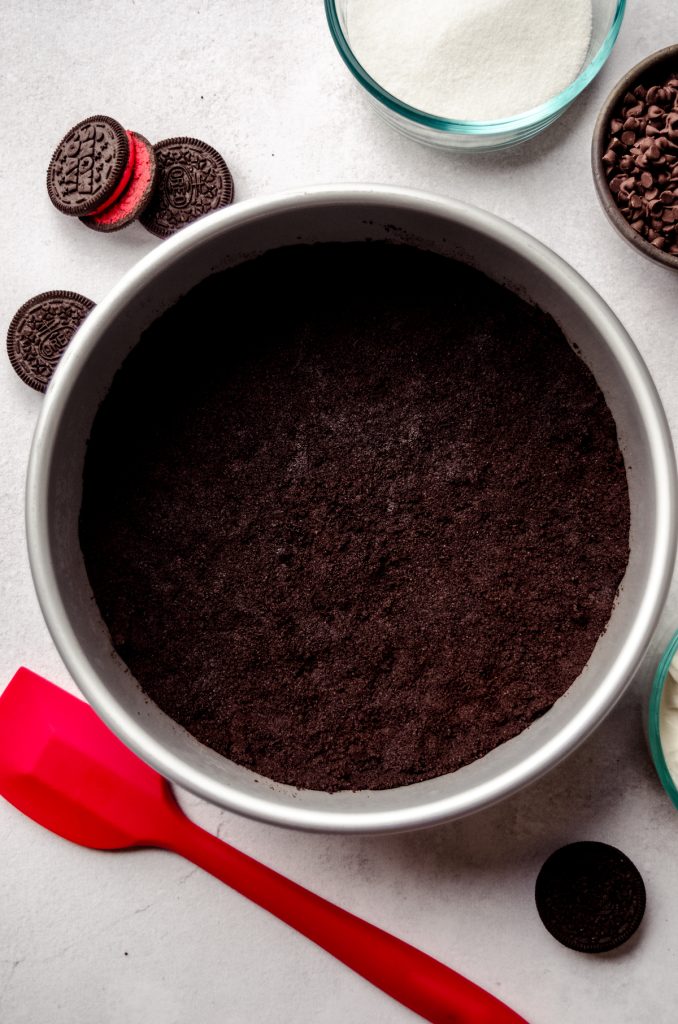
(473, 74)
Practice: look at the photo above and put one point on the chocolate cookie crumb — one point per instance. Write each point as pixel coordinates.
(354, 514)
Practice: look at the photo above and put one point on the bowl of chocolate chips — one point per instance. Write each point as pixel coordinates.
(635, 157)
(352, 509)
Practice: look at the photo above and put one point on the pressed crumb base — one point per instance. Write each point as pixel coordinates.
(354, 514)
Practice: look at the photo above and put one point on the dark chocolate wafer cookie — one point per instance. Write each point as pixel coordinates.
(192, 180)
(590, 897)
(88, 166)
(40, 331)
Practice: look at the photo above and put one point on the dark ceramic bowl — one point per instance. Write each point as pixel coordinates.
(649, 70)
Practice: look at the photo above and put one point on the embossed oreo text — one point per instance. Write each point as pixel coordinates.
(86, 165)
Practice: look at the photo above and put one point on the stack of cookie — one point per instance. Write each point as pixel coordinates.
(109, 177)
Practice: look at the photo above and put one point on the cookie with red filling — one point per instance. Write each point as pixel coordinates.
(91, 167)
(136, 197)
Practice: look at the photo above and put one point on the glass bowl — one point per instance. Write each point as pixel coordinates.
(467, 135)
(653, 721)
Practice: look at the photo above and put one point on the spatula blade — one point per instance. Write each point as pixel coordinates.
(61, 766)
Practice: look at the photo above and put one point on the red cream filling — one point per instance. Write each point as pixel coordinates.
(124, 181)
(141, 179)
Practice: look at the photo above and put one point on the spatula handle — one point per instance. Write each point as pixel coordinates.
(416, 980)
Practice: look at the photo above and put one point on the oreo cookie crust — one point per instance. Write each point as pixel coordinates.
(590, 897)
(192, 180)
(87, 165)
(40, 331)
(350, 544)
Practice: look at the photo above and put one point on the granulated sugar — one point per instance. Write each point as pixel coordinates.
(471, 60)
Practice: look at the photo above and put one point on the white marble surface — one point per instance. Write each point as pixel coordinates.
(142, 938)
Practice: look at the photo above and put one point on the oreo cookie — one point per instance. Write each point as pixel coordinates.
(192, 180)
(40, 331)
(136, 197)
(590, 897)
(90, 167)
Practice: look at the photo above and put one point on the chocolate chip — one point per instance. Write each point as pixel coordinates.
(641, 161)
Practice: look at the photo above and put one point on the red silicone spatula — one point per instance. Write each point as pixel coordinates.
(61, 766)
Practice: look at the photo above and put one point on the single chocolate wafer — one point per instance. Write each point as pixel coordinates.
(88, 166)
(192, 180)
(136, 196)
(40, 331)
(590, 897)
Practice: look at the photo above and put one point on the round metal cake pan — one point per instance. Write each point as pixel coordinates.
(346, 213)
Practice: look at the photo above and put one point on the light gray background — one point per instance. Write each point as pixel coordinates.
(143, 938)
